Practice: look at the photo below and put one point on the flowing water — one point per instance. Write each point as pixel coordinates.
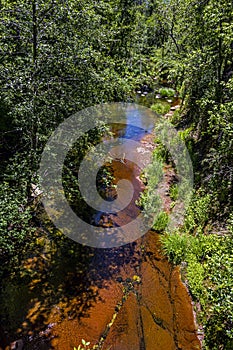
(124, 298)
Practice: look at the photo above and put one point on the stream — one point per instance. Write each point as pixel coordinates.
(123, 298)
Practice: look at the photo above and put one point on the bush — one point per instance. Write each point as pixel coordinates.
(175, 247)
(197, 214)
(161, 108)
(195, 276)
(219, 281)
(166, 92)
(209, 273)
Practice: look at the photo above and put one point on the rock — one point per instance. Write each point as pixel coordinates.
(174, 108)
(105, 219)
(169, 114)
(17, 344)
(36, 191)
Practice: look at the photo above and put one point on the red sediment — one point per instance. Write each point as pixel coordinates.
(157, 312)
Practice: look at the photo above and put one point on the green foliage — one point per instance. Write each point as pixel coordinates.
(160, 222)
(217, 164)
(207, 266)
(166, 92)
(176, 117)
(197, 58)
(175, 246)
(56, 59)
(197, 214)
(16, 227)
(185, 134)
(59, 57)
(195, 276)
(149, 199)
(173, 191)
(199, 63)
(161, 152)
(161, 107)
(219, 282)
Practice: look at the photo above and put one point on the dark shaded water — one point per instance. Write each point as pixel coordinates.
(125, 298)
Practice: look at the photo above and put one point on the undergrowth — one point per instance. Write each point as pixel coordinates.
(208, 270)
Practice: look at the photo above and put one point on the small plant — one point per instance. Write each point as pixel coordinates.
(160, 221)
(174, 191)
(185, 134)
(161, 108)
(166, 92)
(162, 153)
(176, 117)
(84, 346)
(175, 247)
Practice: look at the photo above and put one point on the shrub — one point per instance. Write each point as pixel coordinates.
(161, 108)
(197, 214)
(166, 92)
(175, 246)
(160, 221)
(209, 273)
(195, 276)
